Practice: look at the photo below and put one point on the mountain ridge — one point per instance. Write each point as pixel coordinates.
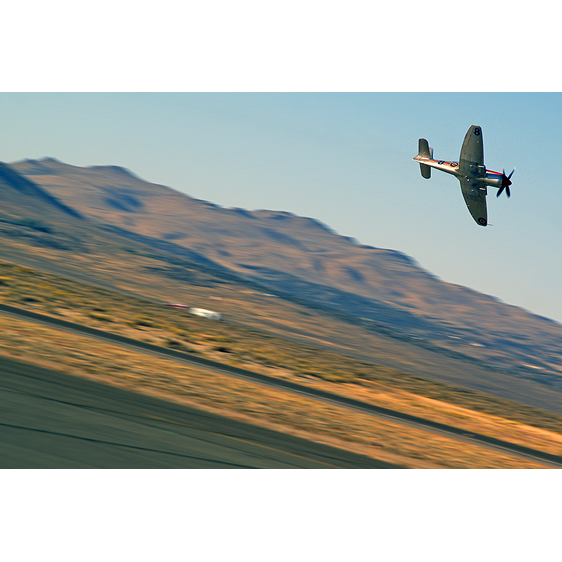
(24, 186)
(302, 257)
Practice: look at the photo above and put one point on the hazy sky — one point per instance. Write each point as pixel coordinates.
(342, 158)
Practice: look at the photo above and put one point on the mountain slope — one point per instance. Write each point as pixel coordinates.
(302, 257)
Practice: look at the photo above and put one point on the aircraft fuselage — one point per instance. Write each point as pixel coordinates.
(474, 172)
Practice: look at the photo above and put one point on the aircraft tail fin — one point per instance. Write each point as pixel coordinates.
(425, 152)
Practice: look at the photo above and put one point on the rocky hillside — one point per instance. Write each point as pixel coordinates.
(304, 258)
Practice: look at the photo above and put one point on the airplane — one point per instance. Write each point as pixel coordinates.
(470, 171)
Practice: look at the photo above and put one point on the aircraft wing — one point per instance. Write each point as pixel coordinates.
(472, 151)
(475, 199)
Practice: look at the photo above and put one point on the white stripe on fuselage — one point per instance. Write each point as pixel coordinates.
(443, 165)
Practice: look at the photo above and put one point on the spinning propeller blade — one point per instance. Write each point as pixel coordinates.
(505, 183)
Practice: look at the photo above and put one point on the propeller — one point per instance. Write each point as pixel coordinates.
(505, 183)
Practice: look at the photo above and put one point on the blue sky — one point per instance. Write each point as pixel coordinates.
(342, 158)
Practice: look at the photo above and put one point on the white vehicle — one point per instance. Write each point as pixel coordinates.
(205, 313)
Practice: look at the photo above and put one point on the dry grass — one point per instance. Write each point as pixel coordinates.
(149, 275)
(242, 400)
(256, 351)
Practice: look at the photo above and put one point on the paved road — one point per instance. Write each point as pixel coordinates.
(53, 420)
